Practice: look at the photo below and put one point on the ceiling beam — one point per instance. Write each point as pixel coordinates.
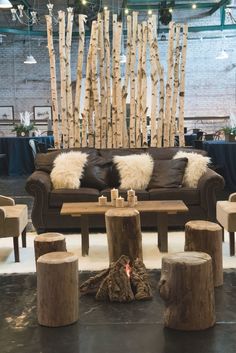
(24, 32)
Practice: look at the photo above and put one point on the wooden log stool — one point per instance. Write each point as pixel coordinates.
(206, 237)
(57, 289)
(48, 242)
(186, 286)
(123, 233)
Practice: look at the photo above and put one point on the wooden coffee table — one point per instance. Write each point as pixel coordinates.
(165, 208)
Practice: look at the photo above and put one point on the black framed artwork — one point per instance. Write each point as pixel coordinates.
(42, 113)
(6, 114)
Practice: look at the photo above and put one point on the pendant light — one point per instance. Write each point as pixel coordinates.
(30, 59)
(5, 4)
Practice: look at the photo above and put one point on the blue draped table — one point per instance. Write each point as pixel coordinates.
(223, 155)
(20, 159)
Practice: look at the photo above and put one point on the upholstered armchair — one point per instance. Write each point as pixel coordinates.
(13, 222)
(226, 216)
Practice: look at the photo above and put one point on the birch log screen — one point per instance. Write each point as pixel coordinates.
(95, 113)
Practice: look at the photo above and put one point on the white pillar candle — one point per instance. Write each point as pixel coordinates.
(131, 201)
(114, 195)
(120, 202)
(135, 200)
(102, 200)
(131, 192)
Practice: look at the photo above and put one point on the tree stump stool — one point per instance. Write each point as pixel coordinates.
(206, 237)
(186, 286)
(48, 242)
(57, 289)
(123, 233)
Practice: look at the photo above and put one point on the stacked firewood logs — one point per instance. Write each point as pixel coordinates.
(98, 118)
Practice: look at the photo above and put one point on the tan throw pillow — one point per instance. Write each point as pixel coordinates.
(68, 170)
(135, 170)
(196, 167)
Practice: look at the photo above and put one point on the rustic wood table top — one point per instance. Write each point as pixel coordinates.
(80, 208)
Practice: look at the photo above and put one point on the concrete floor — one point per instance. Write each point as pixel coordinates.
(106, 327)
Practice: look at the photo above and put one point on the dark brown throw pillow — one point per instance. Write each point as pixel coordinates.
(95, 177)
(168, 173)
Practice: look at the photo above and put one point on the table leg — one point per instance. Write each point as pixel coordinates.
(162, 229)
(84, 234)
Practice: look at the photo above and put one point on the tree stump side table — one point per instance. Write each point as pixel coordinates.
(186, 286)
(123, 233)
(48, 242)
(57, 289)
(206, 237)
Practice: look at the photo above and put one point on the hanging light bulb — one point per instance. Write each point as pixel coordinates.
(50, 8)
(13, 14)
(5, 4)
(20, 8)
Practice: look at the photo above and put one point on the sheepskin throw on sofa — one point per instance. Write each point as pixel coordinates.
(135, 170)
(196, 167)
(68, 170)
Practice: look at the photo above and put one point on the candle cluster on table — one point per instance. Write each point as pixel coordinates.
(114, 196)
(131, 198)
(102, 200)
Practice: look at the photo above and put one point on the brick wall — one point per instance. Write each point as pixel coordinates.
(210, 83)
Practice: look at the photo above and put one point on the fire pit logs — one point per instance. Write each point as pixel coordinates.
(122, 282)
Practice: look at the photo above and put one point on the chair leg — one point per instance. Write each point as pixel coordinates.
(223, 235)
(16, 249)
(23, 237)
(231, 244)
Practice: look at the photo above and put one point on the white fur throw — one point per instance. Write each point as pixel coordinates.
(196, 167)
(68, 170)
(135, 170)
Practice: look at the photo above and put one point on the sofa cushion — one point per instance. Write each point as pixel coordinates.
(135, 170)
(196, 167)
(142, 195)
(168, 173)
(57, 197)
(188, 195)
(95, 177)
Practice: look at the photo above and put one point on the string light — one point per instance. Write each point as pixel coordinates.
(149, 12)
(105, 8)
(126, 11)
(194, 6)
(84, 2)
(170, 10)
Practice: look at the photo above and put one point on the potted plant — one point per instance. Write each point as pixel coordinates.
(230, 133)
(25, 126)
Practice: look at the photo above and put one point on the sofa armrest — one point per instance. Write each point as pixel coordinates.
(39, 186)
(232, 197)
(6, 201)
(208, 184)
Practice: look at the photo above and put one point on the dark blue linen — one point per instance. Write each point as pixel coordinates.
(20, 159)
(223, 155)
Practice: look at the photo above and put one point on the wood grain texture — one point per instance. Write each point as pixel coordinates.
(57, 289)
(123, 234)
(186, 286)
(206, 237)
(48, 242)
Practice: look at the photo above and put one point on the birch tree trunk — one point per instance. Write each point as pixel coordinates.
(154, 80)
(62, 52)
(53, 81)
(144, 87)
(169, 86)
(114, 103)
(139, 88)
(132, 83)
(69, 99)
(127, 78)
(82, 20)
(97, 105)
(119, 112)
(108, 78)
(176, 87)
(101, 57)
(182, 85)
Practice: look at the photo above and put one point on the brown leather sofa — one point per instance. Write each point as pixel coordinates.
(47, 202)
